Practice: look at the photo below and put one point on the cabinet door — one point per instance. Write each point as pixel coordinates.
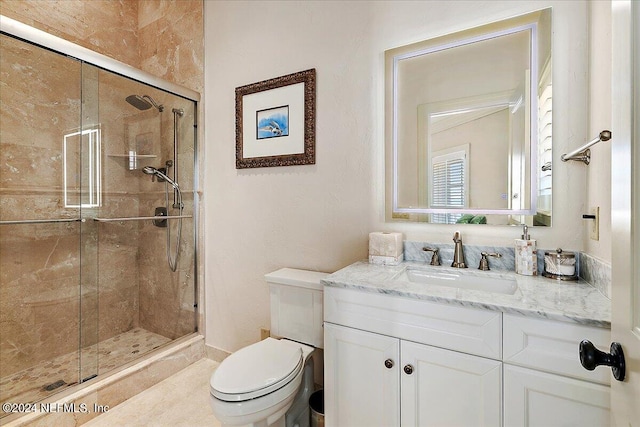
(447, 388)
(360, 389)
(538, 399)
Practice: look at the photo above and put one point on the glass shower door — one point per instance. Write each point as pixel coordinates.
(40, 234)
(97, 227)
(144, 267)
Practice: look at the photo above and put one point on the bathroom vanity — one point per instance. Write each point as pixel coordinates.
(400, 351)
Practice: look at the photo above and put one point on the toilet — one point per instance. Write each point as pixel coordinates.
(269, 383)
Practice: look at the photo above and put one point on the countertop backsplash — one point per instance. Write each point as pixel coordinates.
(596, 272)
(592, 270)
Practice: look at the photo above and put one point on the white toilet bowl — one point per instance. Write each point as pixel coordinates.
(256, 386)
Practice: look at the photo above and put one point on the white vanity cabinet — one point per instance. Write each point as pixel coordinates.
(544, 383)
(397, 361)
(364, 391)
(382, 366)
(448, 388)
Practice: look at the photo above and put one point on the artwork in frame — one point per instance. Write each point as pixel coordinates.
(275, 121)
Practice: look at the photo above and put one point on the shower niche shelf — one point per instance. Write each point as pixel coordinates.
(133, 160)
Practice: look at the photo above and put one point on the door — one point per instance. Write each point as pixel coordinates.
(362, 370)
(625, 207)
(446, 388)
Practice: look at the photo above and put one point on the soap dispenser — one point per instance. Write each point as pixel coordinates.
(526, 254)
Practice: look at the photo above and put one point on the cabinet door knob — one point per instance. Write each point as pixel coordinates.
(590, 357)
(408, 369)
(388, 363)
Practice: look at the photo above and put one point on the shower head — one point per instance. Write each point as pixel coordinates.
(150, 170)
(144, 102)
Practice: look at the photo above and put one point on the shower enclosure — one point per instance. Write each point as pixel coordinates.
(97, 216)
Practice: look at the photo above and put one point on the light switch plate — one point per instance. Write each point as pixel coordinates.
(595, 224)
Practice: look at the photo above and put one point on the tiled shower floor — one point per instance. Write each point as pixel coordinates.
(30, 385)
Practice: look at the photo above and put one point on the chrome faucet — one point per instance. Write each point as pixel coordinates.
(435, 259)
(484, 261)
(458, 252)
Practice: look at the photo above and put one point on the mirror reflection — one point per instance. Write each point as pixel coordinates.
(469, 125)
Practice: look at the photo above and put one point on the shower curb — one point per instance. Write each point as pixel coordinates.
(77, 406)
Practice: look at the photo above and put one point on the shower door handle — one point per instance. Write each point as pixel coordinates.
(38, 221)
(140, 218)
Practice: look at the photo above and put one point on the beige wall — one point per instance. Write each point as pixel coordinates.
(599, 170)
(488, 140)
(315, 217)
(318, 217)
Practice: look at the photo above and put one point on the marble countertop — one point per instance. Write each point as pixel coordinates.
(536, 296)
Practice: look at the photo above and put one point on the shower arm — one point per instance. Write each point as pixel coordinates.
(160, 107)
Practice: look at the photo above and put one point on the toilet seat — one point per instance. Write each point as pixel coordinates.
(257, 370)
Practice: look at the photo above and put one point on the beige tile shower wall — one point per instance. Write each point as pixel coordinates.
(162, 37)
(41, 101)
(167, 298)
(171, 40)
(39, 294)
(104, 26)
(171, 46)
(118, 242)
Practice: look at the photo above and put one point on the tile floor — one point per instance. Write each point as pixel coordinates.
(39, 381)
(180, 400)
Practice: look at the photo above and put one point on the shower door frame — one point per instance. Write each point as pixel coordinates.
(18, 30)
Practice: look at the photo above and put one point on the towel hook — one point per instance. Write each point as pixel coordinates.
(583, 153)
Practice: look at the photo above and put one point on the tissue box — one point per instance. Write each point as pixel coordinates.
(385, 260)
(386, 248)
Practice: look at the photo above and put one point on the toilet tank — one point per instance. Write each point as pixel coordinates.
(296, 305)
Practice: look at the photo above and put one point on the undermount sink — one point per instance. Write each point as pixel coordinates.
(486, 282)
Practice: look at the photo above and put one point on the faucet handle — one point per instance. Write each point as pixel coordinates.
(435, 259)
(484, 261)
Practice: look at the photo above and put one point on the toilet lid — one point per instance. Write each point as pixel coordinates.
(256, 370)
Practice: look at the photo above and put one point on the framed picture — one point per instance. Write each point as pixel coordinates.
(275, 122)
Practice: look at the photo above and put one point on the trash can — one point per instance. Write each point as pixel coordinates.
(316, 406)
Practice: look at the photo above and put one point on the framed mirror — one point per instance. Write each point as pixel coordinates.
(468, 120)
